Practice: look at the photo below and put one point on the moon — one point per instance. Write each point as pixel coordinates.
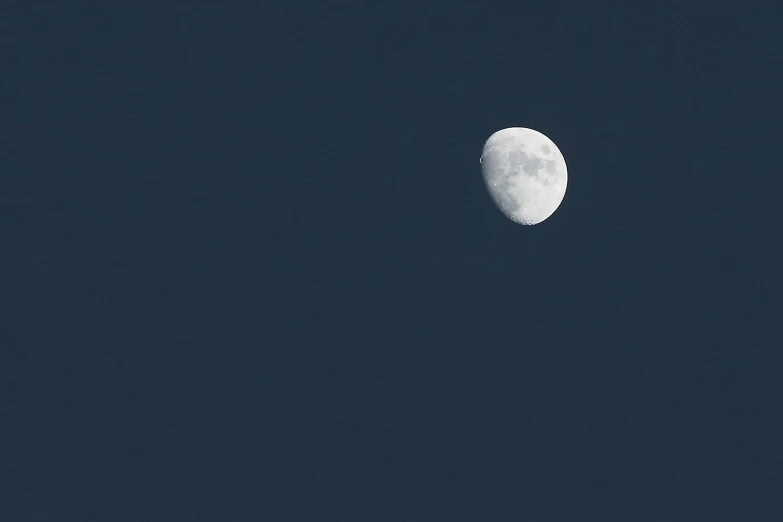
(525, 174)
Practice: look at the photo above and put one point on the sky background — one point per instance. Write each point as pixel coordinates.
(251, 272)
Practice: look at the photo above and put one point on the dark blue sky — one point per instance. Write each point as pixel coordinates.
(253, 274)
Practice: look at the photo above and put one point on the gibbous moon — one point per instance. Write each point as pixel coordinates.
(525, 174)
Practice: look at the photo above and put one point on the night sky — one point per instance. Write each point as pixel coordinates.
(250, 270)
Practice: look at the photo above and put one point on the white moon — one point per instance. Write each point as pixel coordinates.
(525, 174)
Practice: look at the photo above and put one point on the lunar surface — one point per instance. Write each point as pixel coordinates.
(525, 174)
